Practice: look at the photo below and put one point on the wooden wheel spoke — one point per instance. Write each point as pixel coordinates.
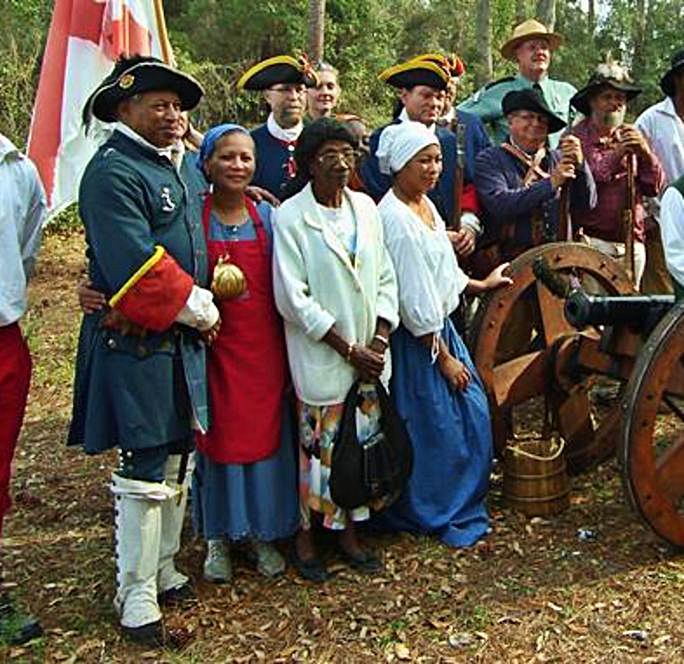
(553, 318)
(670, 472)
(520, 379)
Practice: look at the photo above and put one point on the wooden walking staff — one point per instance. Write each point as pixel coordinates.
(629, 215)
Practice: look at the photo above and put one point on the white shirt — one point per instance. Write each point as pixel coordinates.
(429, 277)
(22, 216)
(665, 132)
(672, 232)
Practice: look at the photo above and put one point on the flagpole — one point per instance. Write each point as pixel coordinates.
(167, 53)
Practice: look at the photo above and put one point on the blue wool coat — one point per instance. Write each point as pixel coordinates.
(271, 162)
(520, 217)
(134, 392)
(377, 184)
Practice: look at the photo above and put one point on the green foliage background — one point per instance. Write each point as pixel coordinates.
(217, 39)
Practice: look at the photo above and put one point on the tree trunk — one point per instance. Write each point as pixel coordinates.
(639, 37)
(316, 29)
(591, 17)
(520, 11)
(483, 71)
(546, 13)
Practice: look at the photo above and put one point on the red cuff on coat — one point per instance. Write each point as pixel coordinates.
(154, 296)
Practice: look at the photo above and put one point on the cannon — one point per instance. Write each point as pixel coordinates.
(641, 313)
(591, 330)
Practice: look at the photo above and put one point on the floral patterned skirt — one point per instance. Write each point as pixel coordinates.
(318, 426)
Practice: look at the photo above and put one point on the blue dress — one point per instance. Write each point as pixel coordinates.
(451, 435)
(257, 500)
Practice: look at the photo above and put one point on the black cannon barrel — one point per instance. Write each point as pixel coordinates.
(639, 311)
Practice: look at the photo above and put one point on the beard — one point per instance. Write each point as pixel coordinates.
(612, 118)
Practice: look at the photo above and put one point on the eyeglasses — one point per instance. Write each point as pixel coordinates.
(348, 156)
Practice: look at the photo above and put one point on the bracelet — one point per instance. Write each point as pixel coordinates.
(383, 340)
(350, 350)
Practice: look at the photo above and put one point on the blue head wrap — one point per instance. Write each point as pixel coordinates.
(210, 139)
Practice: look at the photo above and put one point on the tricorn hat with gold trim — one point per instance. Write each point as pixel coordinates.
(137, 74)
(416, 72)
(279, 69)
(451, 63)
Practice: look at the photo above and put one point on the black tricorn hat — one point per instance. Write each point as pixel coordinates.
(137, 74)
(667, 81)
(417, 72)
(279, 69)
(531, 100)
(608, 74)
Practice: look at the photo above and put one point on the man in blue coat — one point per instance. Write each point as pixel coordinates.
(422, 84)
(519, 184)
(283, 81)
(140, 374)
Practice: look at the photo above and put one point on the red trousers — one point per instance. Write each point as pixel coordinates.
(15, 376)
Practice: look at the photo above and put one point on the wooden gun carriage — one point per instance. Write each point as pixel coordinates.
(579, 342)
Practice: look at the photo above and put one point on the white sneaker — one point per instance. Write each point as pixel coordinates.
(217, 567)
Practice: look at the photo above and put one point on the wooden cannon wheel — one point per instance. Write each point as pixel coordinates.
(529, 373)
(652, 444)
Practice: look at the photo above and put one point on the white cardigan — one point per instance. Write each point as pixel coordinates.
(316, 286)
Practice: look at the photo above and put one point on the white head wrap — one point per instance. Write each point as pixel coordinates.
(399, 143)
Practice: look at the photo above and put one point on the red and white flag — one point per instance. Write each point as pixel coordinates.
(85, 39)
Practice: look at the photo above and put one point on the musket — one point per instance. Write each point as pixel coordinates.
(629, 214)
(458, 128)
(564, 233)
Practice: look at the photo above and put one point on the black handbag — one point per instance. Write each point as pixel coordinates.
(375, 470)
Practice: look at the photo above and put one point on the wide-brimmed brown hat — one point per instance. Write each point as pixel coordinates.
(667, 81)
(529, 29)
(607, 75)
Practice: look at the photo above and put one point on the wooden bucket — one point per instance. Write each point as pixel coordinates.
(535, 477)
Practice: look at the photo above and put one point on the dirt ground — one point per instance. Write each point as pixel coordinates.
(535, 591)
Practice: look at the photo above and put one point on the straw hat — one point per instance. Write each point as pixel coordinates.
(529, 29)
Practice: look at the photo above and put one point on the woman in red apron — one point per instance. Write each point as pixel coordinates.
(245, 477)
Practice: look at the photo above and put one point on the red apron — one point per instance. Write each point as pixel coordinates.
(247, 364)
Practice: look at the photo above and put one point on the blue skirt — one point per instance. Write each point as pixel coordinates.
(256, 500)
(452, 443)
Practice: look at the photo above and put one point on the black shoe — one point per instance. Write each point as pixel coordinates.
(312, 570)
(363, 561)
(175, 596)
(150, 635)
(16, 628)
